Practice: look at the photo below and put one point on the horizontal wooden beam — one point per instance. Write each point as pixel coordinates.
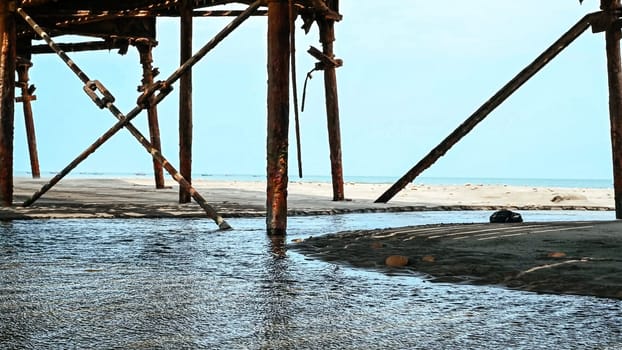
(87, 15)
(85, 46)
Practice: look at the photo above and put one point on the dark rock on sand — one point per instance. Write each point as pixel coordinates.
(504, 215)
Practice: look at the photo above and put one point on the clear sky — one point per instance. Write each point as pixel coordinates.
(413, 71)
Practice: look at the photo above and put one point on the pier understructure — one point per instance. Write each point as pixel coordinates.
(29, 27)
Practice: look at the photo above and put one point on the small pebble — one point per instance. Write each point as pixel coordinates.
(428, 259)
(396, 261)
(556, 255)
(376, 245)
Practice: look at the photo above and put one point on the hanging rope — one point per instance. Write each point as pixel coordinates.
(292, 31)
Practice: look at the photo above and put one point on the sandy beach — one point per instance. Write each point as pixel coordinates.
(572, 257)
(137, 197)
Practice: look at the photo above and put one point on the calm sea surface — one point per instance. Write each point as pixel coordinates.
(573, 183)
(178, 284)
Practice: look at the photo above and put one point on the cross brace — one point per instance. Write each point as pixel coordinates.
(107, 101)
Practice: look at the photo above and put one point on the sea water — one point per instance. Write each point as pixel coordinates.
(531, 182)
(179, 284)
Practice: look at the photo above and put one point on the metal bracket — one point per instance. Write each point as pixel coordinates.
(91, 87)
(325, 61)
(19, 99)
(30, 91)
(604, 20)
(161, 86)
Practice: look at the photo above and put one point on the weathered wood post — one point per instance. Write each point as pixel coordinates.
(8, 53)
(185, 99)
(327, 38)
(278, 116)
(23, 66)
(145, 47)
(614, 69)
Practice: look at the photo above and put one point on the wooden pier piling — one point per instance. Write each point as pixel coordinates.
(327, 37)
(23, 66)
(185, 99)
(614, 70)
(8, 53)
(145, 47)
(278, 116)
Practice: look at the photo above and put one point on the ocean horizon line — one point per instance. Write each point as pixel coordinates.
(372, 179)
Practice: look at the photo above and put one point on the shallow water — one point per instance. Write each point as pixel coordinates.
(167, 283)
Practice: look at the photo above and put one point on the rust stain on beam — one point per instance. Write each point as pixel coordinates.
(278, 116)
(8, 56)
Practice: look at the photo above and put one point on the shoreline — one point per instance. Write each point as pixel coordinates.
(498, 262)
(138, 197)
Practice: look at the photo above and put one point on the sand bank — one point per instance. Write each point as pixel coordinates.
(562, 257)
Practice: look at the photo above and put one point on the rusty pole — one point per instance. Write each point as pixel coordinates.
(8, 55)
(23, 66)
(145, 47)
(327, 37)
(185, 99)
(614, 69)
(278, 116)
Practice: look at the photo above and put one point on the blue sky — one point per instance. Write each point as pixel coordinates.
(413, 71)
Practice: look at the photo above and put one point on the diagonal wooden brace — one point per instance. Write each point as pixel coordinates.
(124, 121)
(495, 101)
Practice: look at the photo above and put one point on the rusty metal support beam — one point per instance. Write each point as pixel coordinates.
(327, 37)
(614, 70)
(85, 16)
(278, 116)
(84, 46)
(292, 42)
(8, 55)
(23, 66)
(185, 98)
(506, 91)
(163, 89)
(145, 47)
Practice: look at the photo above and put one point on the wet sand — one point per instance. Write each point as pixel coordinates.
(581, 258)
(574, 258)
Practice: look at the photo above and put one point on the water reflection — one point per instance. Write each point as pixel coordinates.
(276, 289)
(277, 246)
(145, 284)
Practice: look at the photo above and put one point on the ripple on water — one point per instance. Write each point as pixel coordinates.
(168, 283)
